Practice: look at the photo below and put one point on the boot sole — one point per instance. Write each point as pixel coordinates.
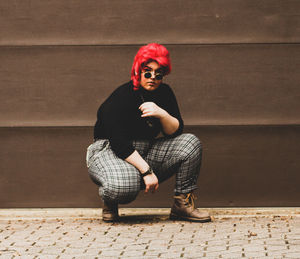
(110, 219)
(176, 217)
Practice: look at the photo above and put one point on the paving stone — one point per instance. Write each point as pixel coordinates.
(276, 253)
(92, 252)
(113, 252)
(171, 255)
(276, 247)
(293, 255)
(294, 248)
(253, 248)
(213, 248)
(231, 255)
(235, 249)
(255, 254)
(52, 250)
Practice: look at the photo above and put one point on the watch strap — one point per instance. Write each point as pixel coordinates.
(149, 171)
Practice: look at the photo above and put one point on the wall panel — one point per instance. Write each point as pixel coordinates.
(227, 84)
(106, 22)
(242, 166)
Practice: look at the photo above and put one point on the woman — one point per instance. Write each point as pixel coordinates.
(139, 141)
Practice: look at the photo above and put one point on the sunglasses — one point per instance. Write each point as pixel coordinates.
(148, 74)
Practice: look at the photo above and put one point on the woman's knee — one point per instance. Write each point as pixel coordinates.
(191, 146)
(119, 193)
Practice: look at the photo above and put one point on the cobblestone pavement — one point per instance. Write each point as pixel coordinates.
(141, 235)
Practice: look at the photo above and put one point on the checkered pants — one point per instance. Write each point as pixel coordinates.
(120, 182)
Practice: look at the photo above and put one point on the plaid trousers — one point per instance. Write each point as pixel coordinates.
(120, 182)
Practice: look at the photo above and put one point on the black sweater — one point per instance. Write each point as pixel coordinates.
(119, 118)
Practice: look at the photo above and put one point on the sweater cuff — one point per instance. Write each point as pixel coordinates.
(123, 151)
(126, 154)
(178, 131)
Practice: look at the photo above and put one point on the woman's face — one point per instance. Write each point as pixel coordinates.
(153, 82)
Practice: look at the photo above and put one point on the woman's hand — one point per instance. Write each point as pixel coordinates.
(150, 109)
(169, 123)
(151, 183)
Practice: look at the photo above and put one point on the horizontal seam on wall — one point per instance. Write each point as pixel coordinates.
(137, 45)
(191, 126)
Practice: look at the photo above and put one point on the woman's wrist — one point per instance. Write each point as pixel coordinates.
(149, 171)
(169, 124)
(144, 169)
(136, 160)
(163, 114)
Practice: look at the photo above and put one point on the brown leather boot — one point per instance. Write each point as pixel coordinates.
(110, 212)
(184, 209)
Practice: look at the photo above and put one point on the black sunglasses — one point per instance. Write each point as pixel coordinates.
(148, 74)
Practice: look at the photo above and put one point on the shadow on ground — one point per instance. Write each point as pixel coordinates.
(142, 219)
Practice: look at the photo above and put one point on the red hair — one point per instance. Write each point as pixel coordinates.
(151, 52)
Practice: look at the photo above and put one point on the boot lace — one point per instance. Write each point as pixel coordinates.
(190, 200)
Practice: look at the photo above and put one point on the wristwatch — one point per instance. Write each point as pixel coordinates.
(149, 171)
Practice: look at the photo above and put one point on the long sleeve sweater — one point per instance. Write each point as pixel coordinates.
(119, 118)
